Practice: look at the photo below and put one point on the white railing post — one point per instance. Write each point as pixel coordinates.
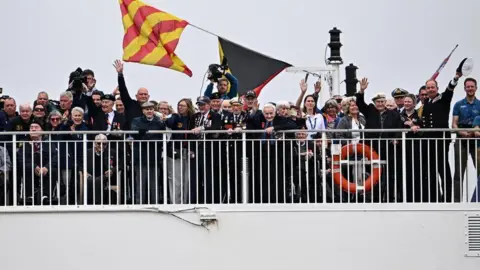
(84, 174)
(324, 167)
(244, 169)
(14, 165)
(165, 175)
(404, 166)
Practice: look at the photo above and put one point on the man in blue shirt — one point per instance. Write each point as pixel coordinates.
(222, 87)
(464, 113)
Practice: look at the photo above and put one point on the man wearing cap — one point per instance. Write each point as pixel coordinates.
(147, 156)
(384, 143)
(436, 114)
(399, 95)
(252, 110)
(222, 87)
(234, 123)
(203, 173)
(216, 102)
(105, 118)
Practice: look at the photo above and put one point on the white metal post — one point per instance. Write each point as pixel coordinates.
(14, 167)
(244, 169)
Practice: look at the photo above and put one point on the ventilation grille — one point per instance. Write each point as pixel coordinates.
(473, 235)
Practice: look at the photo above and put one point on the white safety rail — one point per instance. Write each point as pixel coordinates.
(247, 168)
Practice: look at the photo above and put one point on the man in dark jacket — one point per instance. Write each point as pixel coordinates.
(22, 122)
(37, 166)
(102, 173)
(384, 143)
(147, 156)
(105, 118)
(205, 146)
(274, 157)
(133, 108)
(436, 114)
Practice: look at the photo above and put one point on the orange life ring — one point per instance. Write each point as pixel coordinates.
(347, 150)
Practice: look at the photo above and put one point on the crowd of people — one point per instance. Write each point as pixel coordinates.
(205, 159)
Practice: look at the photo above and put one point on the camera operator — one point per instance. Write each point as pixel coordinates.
(77, 84)
(218, 74)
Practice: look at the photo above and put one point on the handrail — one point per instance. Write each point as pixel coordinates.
(453, 130)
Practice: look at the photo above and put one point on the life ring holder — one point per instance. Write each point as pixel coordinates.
(366, 151)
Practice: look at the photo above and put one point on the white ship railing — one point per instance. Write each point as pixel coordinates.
(285, 170)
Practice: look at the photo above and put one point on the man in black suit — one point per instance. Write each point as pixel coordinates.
(105, 118)
(270, 185)
(205, 177)
(436, 146)
(384, 143)
(234, 123)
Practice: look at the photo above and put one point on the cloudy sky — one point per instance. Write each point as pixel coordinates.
(396, 43)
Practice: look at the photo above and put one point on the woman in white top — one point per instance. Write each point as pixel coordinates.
(314, 120)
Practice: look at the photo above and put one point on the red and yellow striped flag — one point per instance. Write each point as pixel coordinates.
(151, 36)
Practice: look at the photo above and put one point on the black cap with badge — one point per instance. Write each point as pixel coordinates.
(215, 95)
(251, 94)
(399, 93)
(108, 97)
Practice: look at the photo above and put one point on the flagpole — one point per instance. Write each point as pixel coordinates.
(443, 64)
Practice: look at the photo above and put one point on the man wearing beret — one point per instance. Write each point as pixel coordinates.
(216, 102)
(104, 117)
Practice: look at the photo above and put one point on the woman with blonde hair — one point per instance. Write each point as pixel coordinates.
(352, 120)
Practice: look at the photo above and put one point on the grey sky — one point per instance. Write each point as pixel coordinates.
(394, 43)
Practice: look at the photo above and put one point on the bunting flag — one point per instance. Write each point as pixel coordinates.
(444, 63)
(151, 36)
(252, 69)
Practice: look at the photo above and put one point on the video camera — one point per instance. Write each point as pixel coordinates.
(2, 100)
(77, 80)
(216, 71)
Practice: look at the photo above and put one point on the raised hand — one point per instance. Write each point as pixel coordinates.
(116, 91)
(118, 65)
(303, 86)
(317, 86)
(363, 84)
